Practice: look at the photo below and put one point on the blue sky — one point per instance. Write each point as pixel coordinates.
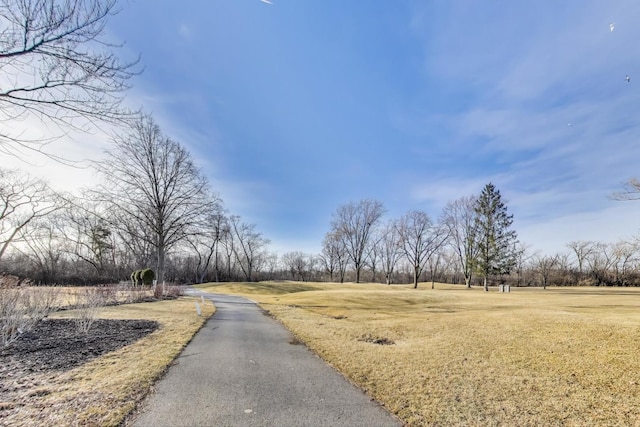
(296, 107)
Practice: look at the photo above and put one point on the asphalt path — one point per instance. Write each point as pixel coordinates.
(245, 369)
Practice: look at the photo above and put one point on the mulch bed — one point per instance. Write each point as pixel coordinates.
(55, 346)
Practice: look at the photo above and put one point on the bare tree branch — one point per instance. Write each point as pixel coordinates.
(58, 70)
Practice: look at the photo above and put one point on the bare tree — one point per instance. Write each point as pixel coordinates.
(272, 264)
(45, 246)
(334, 255)
(459, 217)
(58, 68)
(390, 250)
(420, 238)
(154, 188)
(625, 262)
(582, 250)
(23, 200)
(89, 236)
(354, 223)
(203, 242)
(600, 262)
(435, 263)
(249, 248)
(522, 256)
(297, 264)
(544, 266)
(631, 191)
(373, 253)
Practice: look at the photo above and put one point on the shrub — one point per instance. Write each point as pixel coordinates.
(8, 281)
(129, 293)
(147, 276)
(22, 308)
(89, 303)
(109, 293)
(174, 291)
(136, 278)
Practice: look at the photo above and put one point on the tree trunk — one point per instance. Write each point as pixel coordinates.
(415, 278)
(486, 285)
(160, 272)
(215, 261)
(467, 281)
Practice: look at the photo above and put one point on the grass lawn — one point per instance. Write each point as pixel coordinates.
(104, 390)
(561, 356)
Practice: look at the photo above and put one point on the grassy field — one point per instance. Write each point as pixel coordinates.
(456, 356)
(104, 390)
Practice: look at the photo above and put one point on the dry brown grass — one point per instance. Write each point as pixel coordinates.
(104, 390)
(561, 356)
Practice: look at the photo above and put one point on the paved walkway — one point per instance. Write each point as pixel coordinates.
(241, 369)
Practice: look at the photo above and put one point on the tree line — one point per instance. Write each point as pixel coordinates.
(471, 242)
(476, 231)
(154, 208)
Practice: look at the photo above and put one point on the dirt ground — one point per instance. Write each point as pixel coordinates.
(54, 346)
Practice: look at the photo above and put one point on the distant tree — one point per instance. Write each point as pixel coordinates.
(373, 253)
(459, 216)
(154, 189)
(496, 240)
(297, 264)
(435, 263)
(600, 262)
(204, 240)
(58, 67)
(23, 201)
(420, 238)
(522, 257)
(544, 266)
(390, 250)
(334, 255)
(249, 248)
(89, 236)
(272, 261)
(581, 251)
(353, 223)
(44, 245)
(626, 261)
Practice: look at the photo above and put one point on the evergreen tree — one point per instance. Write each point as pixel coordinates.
(496, 240)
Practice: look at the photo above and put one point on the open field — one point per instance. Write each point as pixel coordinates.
(104, 390)
(561, 356)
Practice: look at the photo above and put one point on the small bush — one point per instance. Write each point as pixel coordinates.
(8, 281)
(130, 294)
(135, 278)
(90, 302)
(174, 291)
(109, 293)
(22, 308)
(158, 290)
(147, 276)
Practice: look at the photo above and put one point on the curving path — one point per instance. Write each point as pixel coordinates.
(244, 369)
